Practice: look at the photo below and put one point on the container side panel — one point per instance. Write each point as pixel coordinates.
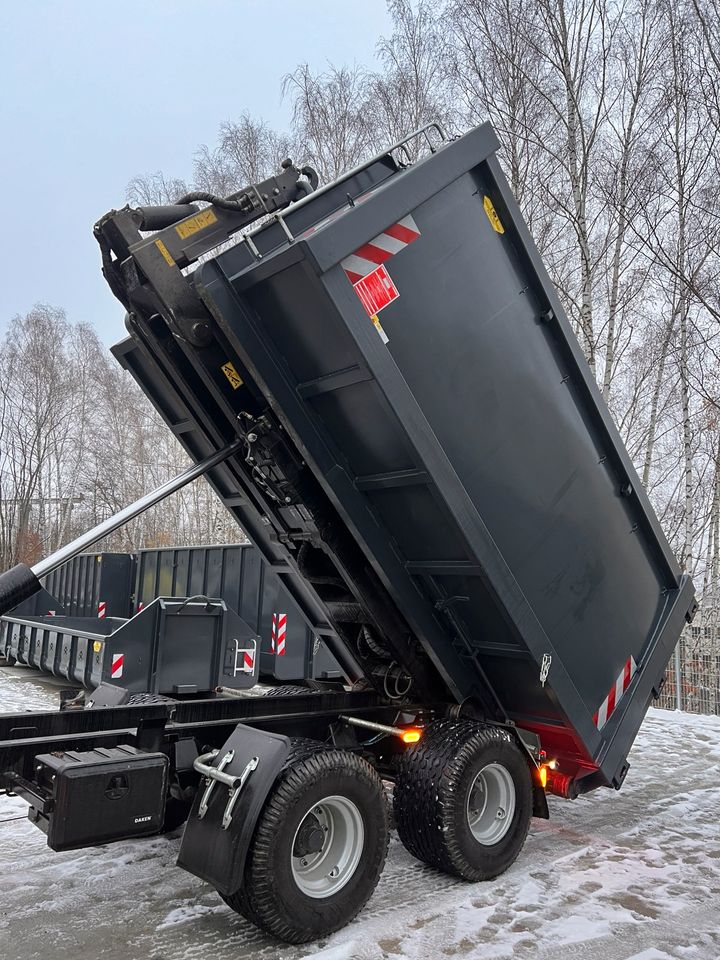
(166, 573)
(182, 571)
(518, 438)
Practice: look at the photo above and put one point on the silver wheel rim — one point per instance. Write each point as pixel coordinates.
(321, 873)
(491, 804)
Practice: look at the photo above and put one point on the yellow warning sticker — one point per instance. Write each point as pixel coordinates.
(378, 326)
(492, 216)
(165, 252)
(233, 376)
(97, 646)
(195, 224)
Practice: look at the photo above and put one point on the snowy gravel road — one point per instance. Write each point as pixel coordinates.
(611, 876)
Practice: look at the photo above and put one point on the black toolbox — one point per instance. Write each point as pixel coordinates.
(100, 795)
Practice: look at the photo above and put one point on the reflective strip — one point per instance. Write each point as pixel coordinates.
(380, 249)
(116, 669)
(281, 633)
(607, 707)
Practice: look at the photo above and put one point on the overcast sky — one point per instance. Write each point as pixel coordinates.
(93, 92)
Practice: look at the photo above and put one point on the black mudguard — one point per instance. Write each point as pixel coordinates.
(540, 804)
(207, 850)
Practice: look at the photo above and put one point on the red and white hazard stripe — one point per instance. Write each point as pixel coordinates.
(141, 605)
(608, 705)
(278, 633)
(248, 661)
(370, 255)
(102, 609)
(116, 667)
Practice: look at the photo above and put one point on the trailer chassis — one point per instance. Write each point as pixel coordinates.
(155, 726)
(223, 764)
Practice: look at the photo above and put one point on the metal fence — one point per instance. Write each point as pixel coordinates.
(692, 681)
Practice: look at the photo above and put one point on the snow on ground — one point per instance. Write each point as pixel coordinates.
(627, 876)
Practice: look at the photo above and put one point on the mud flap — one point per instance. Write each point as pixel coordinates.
(223, 816)
(540, 804)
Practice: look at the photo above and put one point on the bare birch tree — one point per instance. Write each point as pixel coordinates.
(332, 116)
(412, 89)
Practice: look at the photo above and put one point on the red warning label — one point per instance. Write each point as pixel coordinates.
(376, 291)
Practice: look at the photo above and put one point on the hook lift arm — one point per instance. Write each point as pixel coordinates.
(181, 234)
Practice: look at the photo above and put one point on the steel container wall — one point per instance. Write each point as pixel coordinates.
(84, 583)
(66, 647)
(469, 450)
(41, 604)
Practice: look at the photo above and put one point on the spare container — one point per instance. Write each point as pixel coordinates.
(234, 573)
(171, 647)
(238, 574)
(407, 339)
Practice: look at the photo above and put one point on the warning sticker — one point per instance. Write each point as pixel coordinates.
(376, 291)
(492, 216)
(186, 228)
(167, 256)
(233, 376)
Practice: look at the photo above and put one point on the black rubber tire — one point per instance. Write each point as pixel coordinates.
(269, 897)
(300, 749)
(431, 795)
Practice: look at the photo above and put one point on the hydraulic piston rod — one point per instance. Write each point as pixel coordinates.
(21, 582)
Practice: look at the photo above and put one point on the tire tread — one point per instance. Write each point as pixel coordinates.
(425, 791)
(308, 762)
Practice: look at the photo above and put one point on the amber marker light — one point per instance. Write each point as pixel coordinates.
(412, 735)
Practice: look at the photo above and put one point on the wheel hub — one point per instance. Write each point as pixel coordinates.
(310, 837)
(327, 847)
(491, 804)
